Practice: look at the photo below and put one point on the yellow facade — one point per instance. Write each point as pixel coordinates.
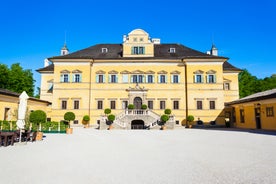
(254, 112)
(9, 102)
(160, 75)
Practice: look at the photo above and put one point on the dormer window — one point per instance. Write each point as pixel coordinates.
(138, 50)
(104, 50)
(172, 50)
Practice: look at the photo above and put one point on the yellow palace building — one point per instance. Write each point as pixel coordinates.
(139, 71)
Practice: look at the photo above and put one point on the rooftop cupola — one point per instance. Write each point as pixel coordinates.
(214, 50)
(64, 50)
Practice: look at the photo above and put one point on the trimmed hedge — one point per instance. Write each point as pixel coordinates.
(47, 127)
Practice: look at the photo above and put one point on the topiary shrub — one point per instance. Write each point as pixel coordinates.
(85, 119)
(107, 111)
(190, 119)
(38, 117)
(130, 106)
(69, 116)
(110, 118)
(144, 106)
(168, 111)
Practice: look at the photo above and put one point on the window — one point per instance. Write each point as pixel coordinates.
(149, 79)
(100, 78)
(269, 112)
(141, 39)
(241, 115)
(124, 104)
(198, 78)
(63, 104)
(6, 114)
(112, 104)
(76, 104)
(162, 79)
(198, 105)
(100, 104)
(226, 86)
(175, 104)
(77, 77)
(162, 104)
(64, 77)
(150, 104)
(113, 78)
(76, 121)
(137, 78)
(175, 79)
(172, 50)
(211, 78)
(104, 50)
(212, 105)
(138, 50)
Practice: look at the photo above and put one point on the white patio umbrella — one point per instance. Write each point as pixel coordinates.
(22, 108)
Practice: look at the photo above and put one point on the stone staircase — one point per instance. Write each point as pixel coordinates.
(123, 120)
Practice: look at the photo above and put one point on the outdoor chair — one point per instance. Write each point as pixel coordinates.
(27, 135)
(33, 136)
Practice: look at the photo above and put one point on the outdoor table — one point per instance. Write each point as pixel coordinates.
(6, 136)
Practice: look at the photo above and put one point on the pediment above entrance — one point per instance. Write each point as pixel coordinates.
(137, 88)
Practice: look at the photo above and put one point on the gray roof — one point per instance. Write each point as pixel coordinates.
(269, 94)
(14, 94)
(115, 51)
(49, 68)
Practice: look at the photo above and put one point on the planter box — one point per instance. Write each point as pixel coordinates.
(39, 136)
(69, 130)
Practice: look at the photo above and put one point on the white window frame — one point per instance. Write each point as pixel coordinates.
(173, 78)
(208, 77)
(62, 77)
(75, 77)
(110, 78)
(196, 79)
(160, 78)
(98, 78)
(147, 78)
(172, 50)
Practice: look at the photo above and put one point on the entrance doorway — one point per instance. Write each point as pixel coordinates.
(137, 103)
(258, 118)
(137, 124)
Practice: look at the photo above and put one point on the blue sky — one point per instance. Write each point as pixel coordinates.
(243, 30)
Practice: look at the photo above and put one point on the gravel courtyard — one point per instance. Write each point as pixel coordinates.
(143, 157)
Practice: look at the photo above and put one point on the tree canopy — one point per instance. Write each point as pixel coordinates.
(249, 84)
(16, 79)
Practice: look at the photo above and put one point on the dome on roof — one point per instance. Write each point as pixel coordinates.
(138, 32)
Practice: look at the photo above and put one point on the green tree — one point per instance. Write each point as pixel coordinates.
(4, 76)
(38, 117)
(69, 116)
(248, 84)
(16, 79)
(21, 80)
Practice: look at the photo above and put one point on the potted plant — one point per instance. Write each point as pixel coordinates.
(164, 118)
(38, 117)
(107, 111)
(130, 107)
(168, 111)
(85, 121)
(110, 120)
(69, 116)
(190, 119)
(144, 106)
